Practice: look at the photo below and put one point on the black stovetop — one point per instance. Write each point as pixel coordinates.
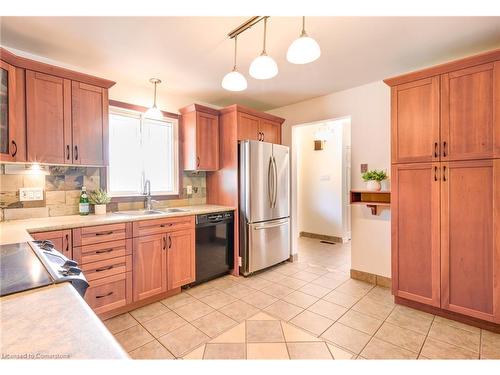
(21, 269)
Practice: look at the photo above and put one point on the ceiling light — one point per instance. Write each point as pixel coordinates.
(263, 66)
(154, 112)
(234, 80)
(304, 49)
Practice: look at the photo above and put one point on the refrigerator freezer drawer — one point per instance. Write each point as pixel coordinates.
(268, 244)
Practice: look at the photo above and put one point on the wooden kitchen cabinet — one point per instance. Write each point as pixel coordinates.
(48, 115)
(470, 240)
(200, 138)
(181, 258)
(415, 121)
(149, 266)
(470, 122)
(89, 124)
(415, 219)
(248, 127)
(62, 240)
(270, 131)
(12, 114)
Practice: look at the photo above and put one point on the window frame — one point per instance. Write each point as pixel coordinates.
(139, 112)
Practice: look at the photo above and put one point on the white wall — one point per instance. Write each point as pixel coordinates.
(125, 91)
(320, 179)
(369, 108)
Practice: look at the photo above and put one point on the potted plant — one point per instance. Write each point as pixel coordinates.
(373, 179)
(99, 198)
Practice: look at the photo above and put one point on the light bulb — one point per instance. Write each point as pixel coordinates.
(234, 81)
(263, 67)
(303, 50)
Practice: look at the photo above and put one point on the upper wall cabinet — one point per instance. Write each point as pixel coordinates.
(469, 126)
(66, 114)
(12, 114)
(200, 135)
(415, 121)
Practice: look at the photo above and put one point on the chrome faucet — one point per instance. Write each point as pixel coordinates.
(148, 202)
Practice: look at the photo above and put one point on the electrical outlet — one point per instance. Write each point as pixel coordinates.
(364, 168)
(189, 189)
(31, 194)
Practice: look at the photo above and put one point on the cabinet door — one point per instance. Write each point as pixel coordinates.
(149, 266)
(415, 232)
(469, 125)
(181, 258)
(207, 142)
(61, 238)
(248, 127)
(90, 124)
(271, 131)
(48, 114)
(12, 114)
(470, 252)
(415, 121)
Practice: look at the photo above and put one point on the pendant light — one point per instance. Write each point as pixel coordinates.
(263, 66)
(304, 49)
(154, 112)
(234, 80)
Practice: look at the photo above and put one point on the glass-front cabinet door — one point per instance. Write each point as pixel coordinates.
(12, 122)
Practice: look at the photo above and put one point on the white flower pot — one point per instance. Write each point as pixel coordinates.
(100, 209)
(373, 185)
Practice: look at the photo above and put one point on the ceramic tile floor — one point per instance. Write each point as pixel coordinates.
(310, 309)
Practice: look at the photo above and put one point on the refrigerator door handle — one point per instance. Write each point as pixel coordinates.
(270, 182)
(275, 184)
(272, 224)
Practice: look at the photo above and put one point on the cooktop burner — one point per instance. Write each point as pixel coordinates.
(20, 269)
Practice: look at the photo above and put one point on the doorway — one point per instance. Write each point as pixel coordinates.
(321, 179)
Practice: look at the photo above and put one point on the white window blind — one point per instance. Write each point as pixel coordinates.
(141, 149)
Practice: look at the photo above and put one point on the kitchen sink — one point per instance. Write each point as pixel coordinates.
(168, 210)
(140, 212)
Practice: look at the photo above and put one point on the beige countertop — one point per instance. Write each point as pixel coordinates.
(53, 322)
(18, 230)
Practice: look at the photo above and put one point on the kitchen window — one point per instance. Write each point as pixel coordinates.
(142, 149)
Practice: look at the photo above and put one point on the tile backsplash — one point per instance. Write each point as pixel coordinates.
(62, 191)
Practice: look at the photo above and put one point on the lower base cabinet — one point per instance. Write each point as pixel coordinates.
(62, 240)
(446, 236)
(109, 293)
(163, 261)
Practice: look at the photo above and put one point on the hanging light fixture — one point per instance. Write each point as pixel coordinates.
(154, 112)
(263, 66)
(304, 49)
(234, 80)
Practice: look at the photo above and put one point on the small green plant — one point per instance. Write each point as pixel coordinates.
(374, 175)
(99, 196)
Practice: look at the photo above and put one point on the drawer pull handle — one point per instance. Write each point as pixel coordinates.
(103, 268)
(166, 225)
(103, 251)
(444, 148)
(104, 233)
(104, 295)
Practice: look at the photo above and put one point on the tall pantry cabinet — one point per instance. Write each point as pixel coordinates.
(445, 124)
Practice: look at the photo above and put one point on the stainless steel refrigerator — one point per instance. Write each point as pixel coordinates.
(264, 174)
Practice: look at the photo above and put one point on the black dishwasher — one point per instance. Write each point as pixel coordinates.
(214, 245)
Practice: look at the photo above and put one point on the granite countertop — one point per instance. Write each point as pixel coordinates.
(53, 322)
(18, 230)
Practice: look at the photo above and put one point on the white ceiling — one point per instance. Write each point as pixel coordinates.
(192, 54)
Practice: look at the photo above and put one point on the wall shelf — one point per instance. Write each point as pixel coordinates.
(375, 200)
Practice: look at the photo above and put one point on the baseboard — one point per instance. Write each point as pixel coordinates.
(371, 278)
(323, 237)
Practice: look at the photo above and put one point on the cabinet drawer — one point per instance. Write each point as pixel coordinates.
(101, 233)
(109, 293)
(101, 251)
(106, 268)
(148, 227)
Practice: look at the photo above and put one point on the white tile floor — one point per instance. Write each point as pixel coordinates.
(310, 309)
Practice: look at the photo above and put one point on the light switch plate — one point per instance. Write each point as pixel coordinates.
(31, 194)
(189, 189)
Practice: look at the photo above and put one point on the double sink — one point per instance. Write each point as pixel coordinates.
(151, 212)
